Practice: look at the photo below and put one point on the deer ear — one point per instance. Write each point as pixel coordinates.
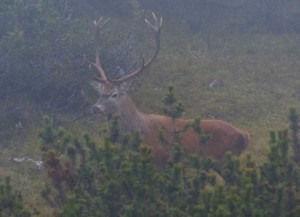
(97, 86)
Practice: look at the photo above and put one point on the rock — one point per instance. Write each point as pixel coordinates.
(216, 84)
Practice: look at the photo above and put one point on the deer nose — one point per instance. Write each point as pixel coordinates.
(98, 108)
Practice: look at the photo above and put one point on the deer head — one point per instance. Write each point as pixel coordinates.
(112, 97)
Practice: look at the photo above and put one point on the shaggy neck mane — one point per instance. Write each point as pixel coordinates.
(131, 119)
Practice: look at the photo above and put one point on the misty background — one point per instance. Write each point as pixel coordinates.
(42, 44)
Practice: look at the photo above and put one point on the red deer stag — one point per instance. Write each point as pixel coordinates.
(224, 137)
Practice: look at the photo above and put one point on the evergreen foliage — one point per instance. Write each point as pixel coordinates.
(113, 179)
(172, 108)
(37, 43)
(11, 202)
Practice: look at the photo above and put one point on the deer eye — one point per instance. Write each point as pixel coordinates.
(114, 95)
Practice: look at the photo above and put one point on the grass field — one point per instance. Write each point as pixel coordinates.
(259, 81)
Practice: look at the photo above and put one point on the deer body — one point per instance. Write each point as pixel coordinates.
(224, 137)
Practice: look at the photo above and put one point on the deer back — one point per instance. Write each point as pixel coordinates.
(223, 137)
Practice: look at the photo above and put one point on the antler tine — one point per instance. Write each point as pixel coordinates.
(155, 27)
(97, 64)
(99, 24)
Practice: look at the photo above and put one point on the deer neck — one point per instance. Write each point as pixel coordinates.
(130, 118)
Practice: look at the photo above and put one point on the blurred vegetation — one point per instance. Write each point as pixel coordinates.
(42, 43)
(40, 46)
(244, 16)
(11, 202)
(251, 48)
(113, 179)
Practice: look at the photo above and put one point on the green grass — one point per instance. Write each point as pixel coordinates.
(259, 73)
(261, 78)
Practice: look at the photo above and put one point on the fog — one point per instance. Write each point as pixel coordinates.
(231, 60)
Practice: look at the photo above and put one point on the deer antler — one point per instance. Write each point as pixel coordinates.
(98, 25)
(155, 28)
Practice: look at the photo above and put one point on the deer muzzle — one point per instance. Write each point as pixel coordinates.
(98, 108)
